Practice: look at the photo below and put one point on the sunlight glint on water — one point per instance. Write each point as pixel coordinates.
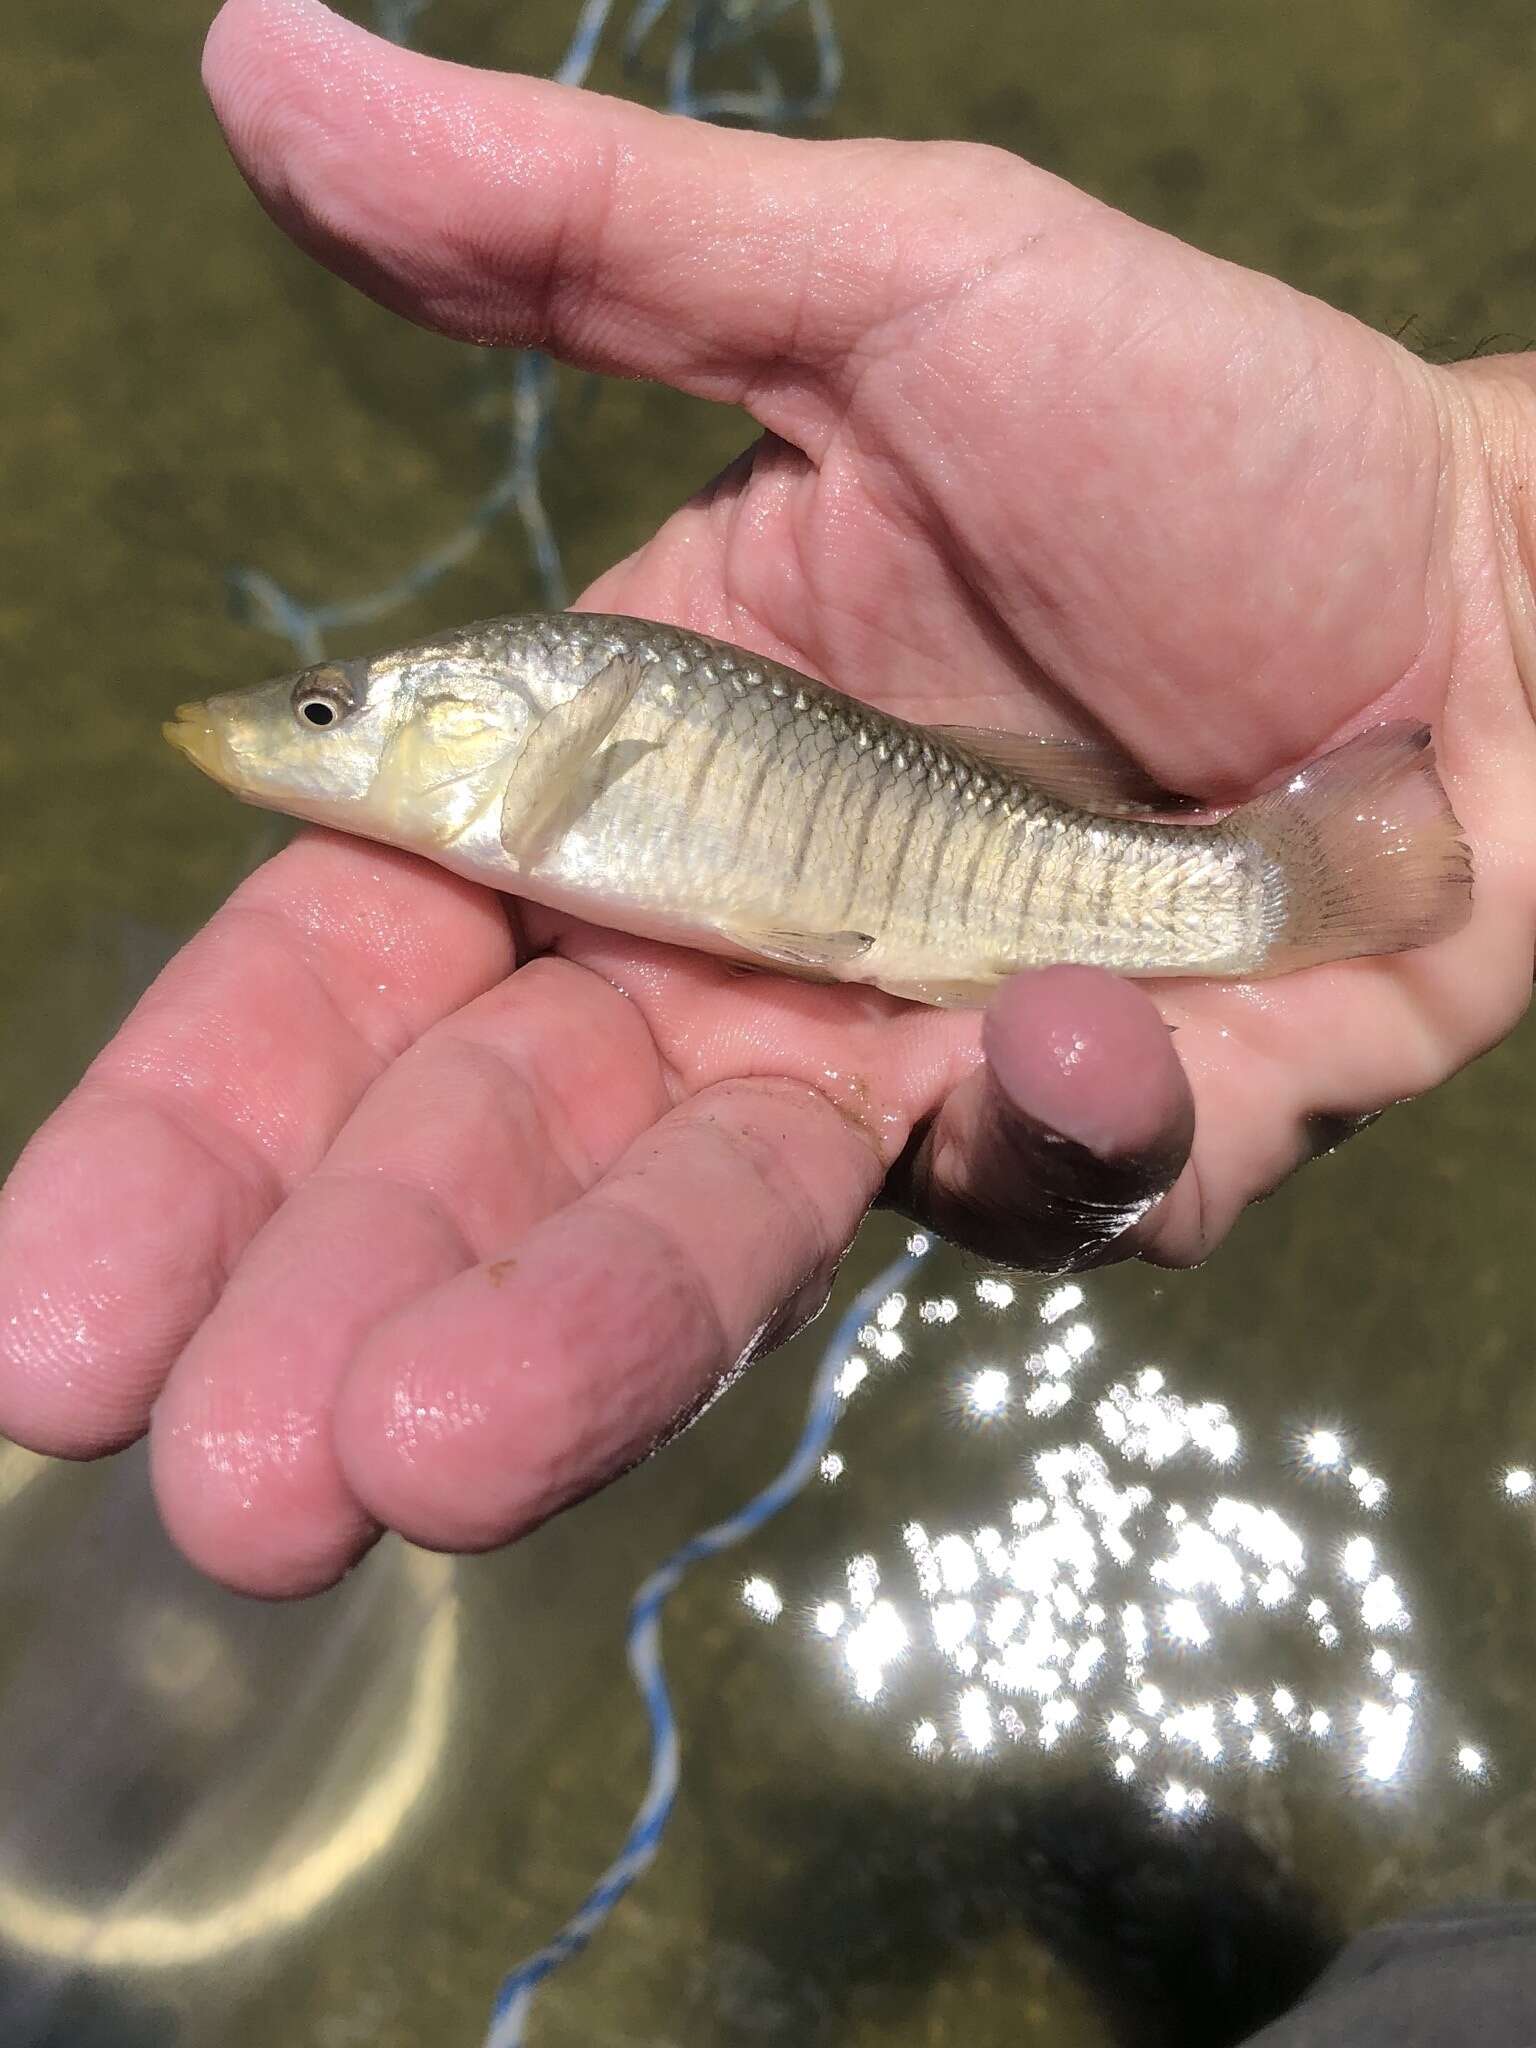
(1096, 1604)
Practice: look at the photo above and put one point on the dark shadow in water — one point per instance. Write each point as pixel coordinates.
(1187, 1936)
(80, 2013)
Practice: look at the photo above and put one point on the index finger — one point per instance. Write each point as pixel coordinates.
(128, 1210)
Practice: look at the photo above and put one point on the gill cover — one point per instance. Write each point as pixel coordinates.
(443, 767)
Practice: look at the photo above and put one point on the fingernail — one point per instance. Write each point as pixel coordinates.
(1086, 1196)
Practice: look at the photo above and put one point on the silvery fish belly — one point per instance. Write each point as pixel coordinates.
(676, 787)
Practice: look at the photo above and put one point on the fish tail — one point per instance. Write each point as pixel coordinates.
(1367, 853)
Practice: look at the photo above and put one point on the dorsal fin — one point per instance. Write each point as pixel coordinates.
(1085, 773)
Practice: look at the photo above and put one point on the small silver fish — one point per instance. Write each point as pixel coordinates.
(679, 788)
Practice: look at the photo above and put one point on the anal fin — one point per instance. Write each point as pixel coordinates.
(824, 954)
(946, 995)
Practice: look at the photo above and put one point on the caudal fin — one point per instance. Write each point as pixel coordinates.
(1370, 856)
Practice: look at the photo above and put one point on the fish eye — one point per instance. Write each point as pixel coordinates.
(321, 701)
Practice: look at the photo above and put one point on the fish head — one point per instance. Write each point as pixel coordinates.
(309, 743)
(392, 747)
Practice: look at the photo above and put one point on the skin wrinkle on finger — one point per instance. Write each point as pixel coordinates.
(533, 1121)
(233, 1153)
(311, 942)
(242, 1459)
(232, 1072)
(478, 1142)
(541, 1072)
(1044, 587)
(447, 1161)
(75, 1380)
(467, 1456)
(766, 1165)
(749, 1190)
(628, 1207)
(1503, 398)
(406, 1189)
(210, 1068)
(83, 1357)
(790, 530)
(364, 1007)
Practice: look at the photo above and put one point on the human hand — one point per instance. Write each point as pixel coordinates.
(375, 1225)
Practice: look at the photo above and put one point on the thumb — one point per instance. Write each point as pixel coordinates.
(502, 209)
(1076, 1126)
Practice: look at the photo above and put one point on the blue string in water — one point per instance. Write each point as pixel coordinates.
(711, 26)
(643, 1649)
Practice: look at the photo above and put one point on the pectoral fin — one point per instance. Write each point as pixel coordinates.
(551, 783)
(1085, 773)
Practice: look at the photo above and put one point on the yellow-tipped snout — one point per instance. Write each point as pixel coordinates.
(192, 732)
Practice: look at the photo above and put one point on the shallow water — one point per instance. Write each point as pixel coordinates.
(179, 391)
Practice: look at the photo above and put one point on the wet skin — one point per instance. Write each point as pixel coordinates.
(376, 1226)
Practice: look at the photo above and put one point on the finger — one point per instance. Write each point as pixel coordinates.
(496, 1118)
(126, 1213)
(1079, 1120)
(523, 1384)
(739, 266)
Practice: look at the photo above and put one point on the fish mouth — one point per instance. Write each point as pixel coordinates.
(192, 732)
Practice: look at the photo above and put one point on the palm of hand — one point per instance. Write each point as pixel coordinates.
(1067, 473)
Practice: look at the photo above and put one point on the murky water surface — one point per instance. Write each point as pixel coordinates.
(1134, 1646)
